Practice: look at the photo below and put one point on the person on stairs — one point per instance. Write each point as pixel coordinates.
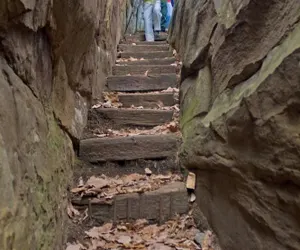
(152, 17)
(164, 17)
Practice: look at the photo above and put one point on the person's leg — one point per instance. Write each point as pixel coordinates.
(164, 12)
(169, 14)
(157, 15)
(148, 17)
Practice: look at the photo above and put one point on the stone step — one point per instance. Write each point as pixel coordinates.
(155, 206)
(142, 48)
(119, 118)
(146, 55)
(147, 100)
(162, 61)
(144, 43)
(142, 69)
(114, 168)
(128, 148)
(141, 83)
(132, 38)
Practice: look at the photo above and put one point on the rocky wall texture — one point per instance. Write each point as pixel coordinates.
(54, 56)
(134, 16)
(240, 106)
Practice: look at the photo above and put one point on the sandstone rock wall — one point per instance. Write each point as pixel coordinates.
(134, 16)
(240, 107)
(54, 56)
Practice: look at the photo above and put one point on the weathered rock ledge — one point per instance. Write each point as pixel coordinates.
(240, 107)
(54, 57)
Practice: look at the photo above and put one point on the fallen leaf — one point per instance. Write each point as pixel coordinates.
(124, 239)
(140, 223)
(75, 247)
(96, 244)
(132, 177)
(159, 246)
(121, 228)
(173, 127)
(97, 182)
(133, 59)
(96, 232)
(78, 190)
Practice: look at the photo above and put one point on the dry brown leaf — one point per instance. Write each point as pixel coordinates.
(96, 244)
(173, 127)
(140, 223)
(77, 190)
(96, 232)
(111, 245)
(121, 228)
(133, 59)
(159, 246)
(132, 177)
(75, 247)
(124, 239)
(97, 182)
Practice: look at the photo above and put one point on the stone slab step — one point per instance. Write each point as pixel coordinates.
(147, 100)
(144, 43)
(141, 83)
(113, 168)
(162, 61)
(128, 148)
(142, 48)
(146, 55)
(132, 38)
(141, 69)
(118, 118)
(155, 206)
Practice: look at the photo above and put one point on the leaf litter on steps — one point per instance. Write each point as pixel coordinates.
(172, 127)
(102, 189)
(111, 100)
(180, 233)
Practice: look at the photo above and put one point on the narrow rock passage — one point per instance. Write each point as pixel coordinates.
(133, 136)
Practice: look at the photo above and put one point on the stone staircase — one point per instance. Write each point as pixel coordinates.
(142, 81)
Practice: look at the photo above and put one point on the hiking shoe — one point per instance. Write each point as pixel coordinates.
(158, 37)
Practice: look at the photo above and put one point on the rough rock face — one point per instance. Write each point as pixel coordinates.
(240, 103)
(54, 56)
(134, 16)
